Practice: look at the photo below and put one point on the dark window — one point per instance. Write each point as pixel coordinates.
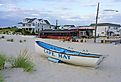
(38, 24)
(29, 24)
(23, 24)
(33, 24)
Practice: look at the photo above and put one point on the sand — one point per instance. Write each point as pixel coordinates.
(46, 71)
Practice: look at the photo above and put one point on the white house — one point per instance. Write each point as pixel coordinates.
(120, 32)
(34, 24)
(107, 29)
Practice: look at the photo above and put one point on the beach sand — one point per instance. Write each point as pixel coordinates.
(47, 71)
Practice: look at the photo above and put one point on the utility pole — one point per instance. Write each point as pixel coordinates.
(56, 26)
(96, 23)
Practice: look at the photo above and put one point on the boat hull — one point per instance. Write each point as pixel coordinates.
(72, 59)
(76, 60)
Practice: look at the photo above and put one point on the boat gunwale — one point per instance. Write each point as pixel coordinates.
(96, 55)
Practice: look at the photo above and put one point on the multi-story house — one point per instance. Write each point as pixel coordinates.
(34, 24)
(107, 29)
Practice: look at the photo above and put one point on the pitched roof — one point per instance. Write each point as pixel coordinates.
(39, 19)
(20, 23)
(83, 26)
(31, 20)
(106, 24)
(47, 22)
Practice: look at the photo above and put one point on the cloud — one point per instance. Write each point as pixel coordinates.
(63, 13)
(109, 17)
(116, 0)
(66, 11)
(1, 4)
(12, 1)
(65, 8)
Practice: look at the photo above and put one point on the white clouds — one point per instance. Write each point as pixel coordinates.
(1, 4)
(67, 10)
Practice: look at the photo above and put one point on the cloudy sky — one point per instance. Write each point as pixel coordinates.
(78, 12)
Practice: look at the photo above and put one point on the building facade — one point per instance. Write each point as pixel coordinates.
(84, 31)
(34, 24)
(107, 29)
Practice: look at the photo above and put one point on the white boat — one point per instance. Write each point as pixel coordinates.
(58, 54)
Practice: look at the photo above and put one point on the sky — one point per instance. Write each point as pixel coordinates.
(77, 12)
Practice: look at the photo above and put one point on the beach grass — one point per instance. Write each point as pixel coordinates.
(1, 78)
(22, 61)
(2, 61)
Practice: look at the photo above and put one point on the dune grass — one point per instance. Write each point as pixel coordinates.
(2, 61)
(22, 61)
(1, 78)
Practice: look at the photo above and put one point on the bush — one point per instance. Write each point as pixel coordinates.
(2, 37)
(20, 41)
(24, 40)
(10, 40)
(22, 61)
(25, 32)
(2, 61)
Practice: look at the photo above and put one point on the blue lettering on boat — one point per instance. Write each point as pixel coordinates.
(53, 54)
(49, 52)
(63, 56)
(59, 55)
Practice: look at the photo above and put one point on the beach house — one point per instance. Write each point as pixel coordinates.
(107, 29)
(34, 24)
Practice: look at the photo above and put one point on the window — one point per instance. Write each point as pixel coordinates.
(102, 32)
(38, 24)
(33, 24)
(29, 24)
(23, 24)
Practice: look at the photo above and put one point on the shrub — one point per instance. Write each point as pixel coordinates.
(22, 61)
(24, 40)
(2, 37)
(10, 40)
(2, 61)
(20, 41)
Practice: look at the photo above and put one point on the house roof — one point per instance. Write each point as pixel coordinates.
(39, 19)
(20, 23)
(106, 24)
(53, 25)
(83, 28)
(69, 26)
(86, 27)
(31, 20)
(57, 31)
(47, 22)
